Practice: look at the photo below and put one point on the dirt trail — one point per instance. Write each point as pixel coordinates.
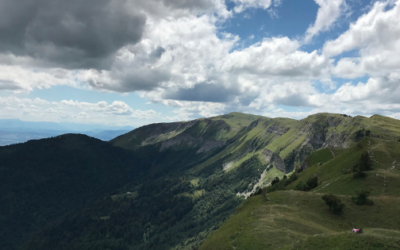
(333, 154)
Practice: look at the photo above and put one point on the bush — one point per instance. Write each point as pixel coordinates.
(300, 186)
(334, 203)
(359, 175)
(277, 184)
(363, 164)
(362, 198)
(291, 179)
(311, 183)
(275, 181)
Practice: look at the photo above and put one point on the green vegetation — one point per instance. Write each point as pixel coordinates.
(310, 184)
(170, 186)
(334, 203)
(300, 220)
(362, 198)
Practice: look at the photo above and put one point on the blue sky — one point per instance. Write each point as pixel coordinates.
(178, 60)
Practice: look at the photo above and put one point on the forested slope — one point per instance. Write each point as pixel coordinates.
(161, 186)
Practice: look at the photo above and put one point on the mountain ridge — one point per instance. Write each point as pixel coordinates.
(171, 185)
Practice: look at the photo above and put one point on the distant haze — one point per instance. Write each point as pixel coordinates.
(17, 131)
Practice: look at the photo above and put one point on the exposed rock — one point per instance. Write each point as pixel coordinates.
(274, 159)
(208, 145)
(279, 131)
(227, 165)
(303, 166)
(336, 140)
(179, 140)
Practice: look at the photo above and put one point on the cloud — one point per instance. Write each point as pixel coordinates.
(377, 29)
(241, 5)
(175, 53)
(378, 90)
(376, 38)
(115, 113)
(204, 92)
(74, 34)
(328, 13)
(22, 80)
(8, 85)
(276, 57)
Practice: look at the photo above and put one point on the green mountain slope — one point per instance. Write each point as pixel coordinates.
(280, 141)
(294, 219)
(167, 186)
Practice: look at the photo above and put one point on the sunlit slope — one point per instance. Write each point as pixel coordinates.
(218, 128)
(237, 137)
(300, 220)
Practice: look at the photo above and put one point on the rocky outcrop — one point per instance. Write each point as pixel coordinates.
(336, 140)
(303, 166)
(274, 159)
(279, 131)
(209, 145)
(185, 140)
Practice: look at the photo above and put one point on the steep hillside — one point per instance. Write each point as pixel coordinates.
(166, 186)
(293, 219)
(280, 141)
(208, 132)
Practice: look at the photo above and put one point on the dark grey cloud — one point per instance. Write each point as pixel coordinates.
(189, 4)
(8, 85)
(138, 75)
(204, 92)
(293, 100)
(73, 33)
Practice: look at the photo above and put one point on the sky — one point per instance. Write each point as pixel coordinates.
(134, 62)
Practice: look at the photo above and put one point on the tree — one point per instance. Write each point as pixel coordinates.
(364, 164)
(334, 203)
(264, 194)
(312, 182)
(275, 181)
(362, 198)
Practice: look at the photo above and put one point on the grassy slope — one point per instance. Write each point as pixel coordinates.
(249, 141)
(301, 220)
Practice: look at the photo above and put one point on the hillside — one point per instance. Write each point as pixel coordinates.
(293, 219)
(42, 180)
(283, 142)
(170, 185)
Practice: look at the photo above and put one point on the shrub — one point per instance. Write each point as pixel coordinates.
(291, 179)
(365, 163)
(334, 203)
(311, 183)
(359, 174)
(275, 181)
(300, 186)
(362, 198)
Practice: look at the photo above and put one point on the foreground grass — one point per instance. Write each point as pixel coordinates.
(301, 220)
